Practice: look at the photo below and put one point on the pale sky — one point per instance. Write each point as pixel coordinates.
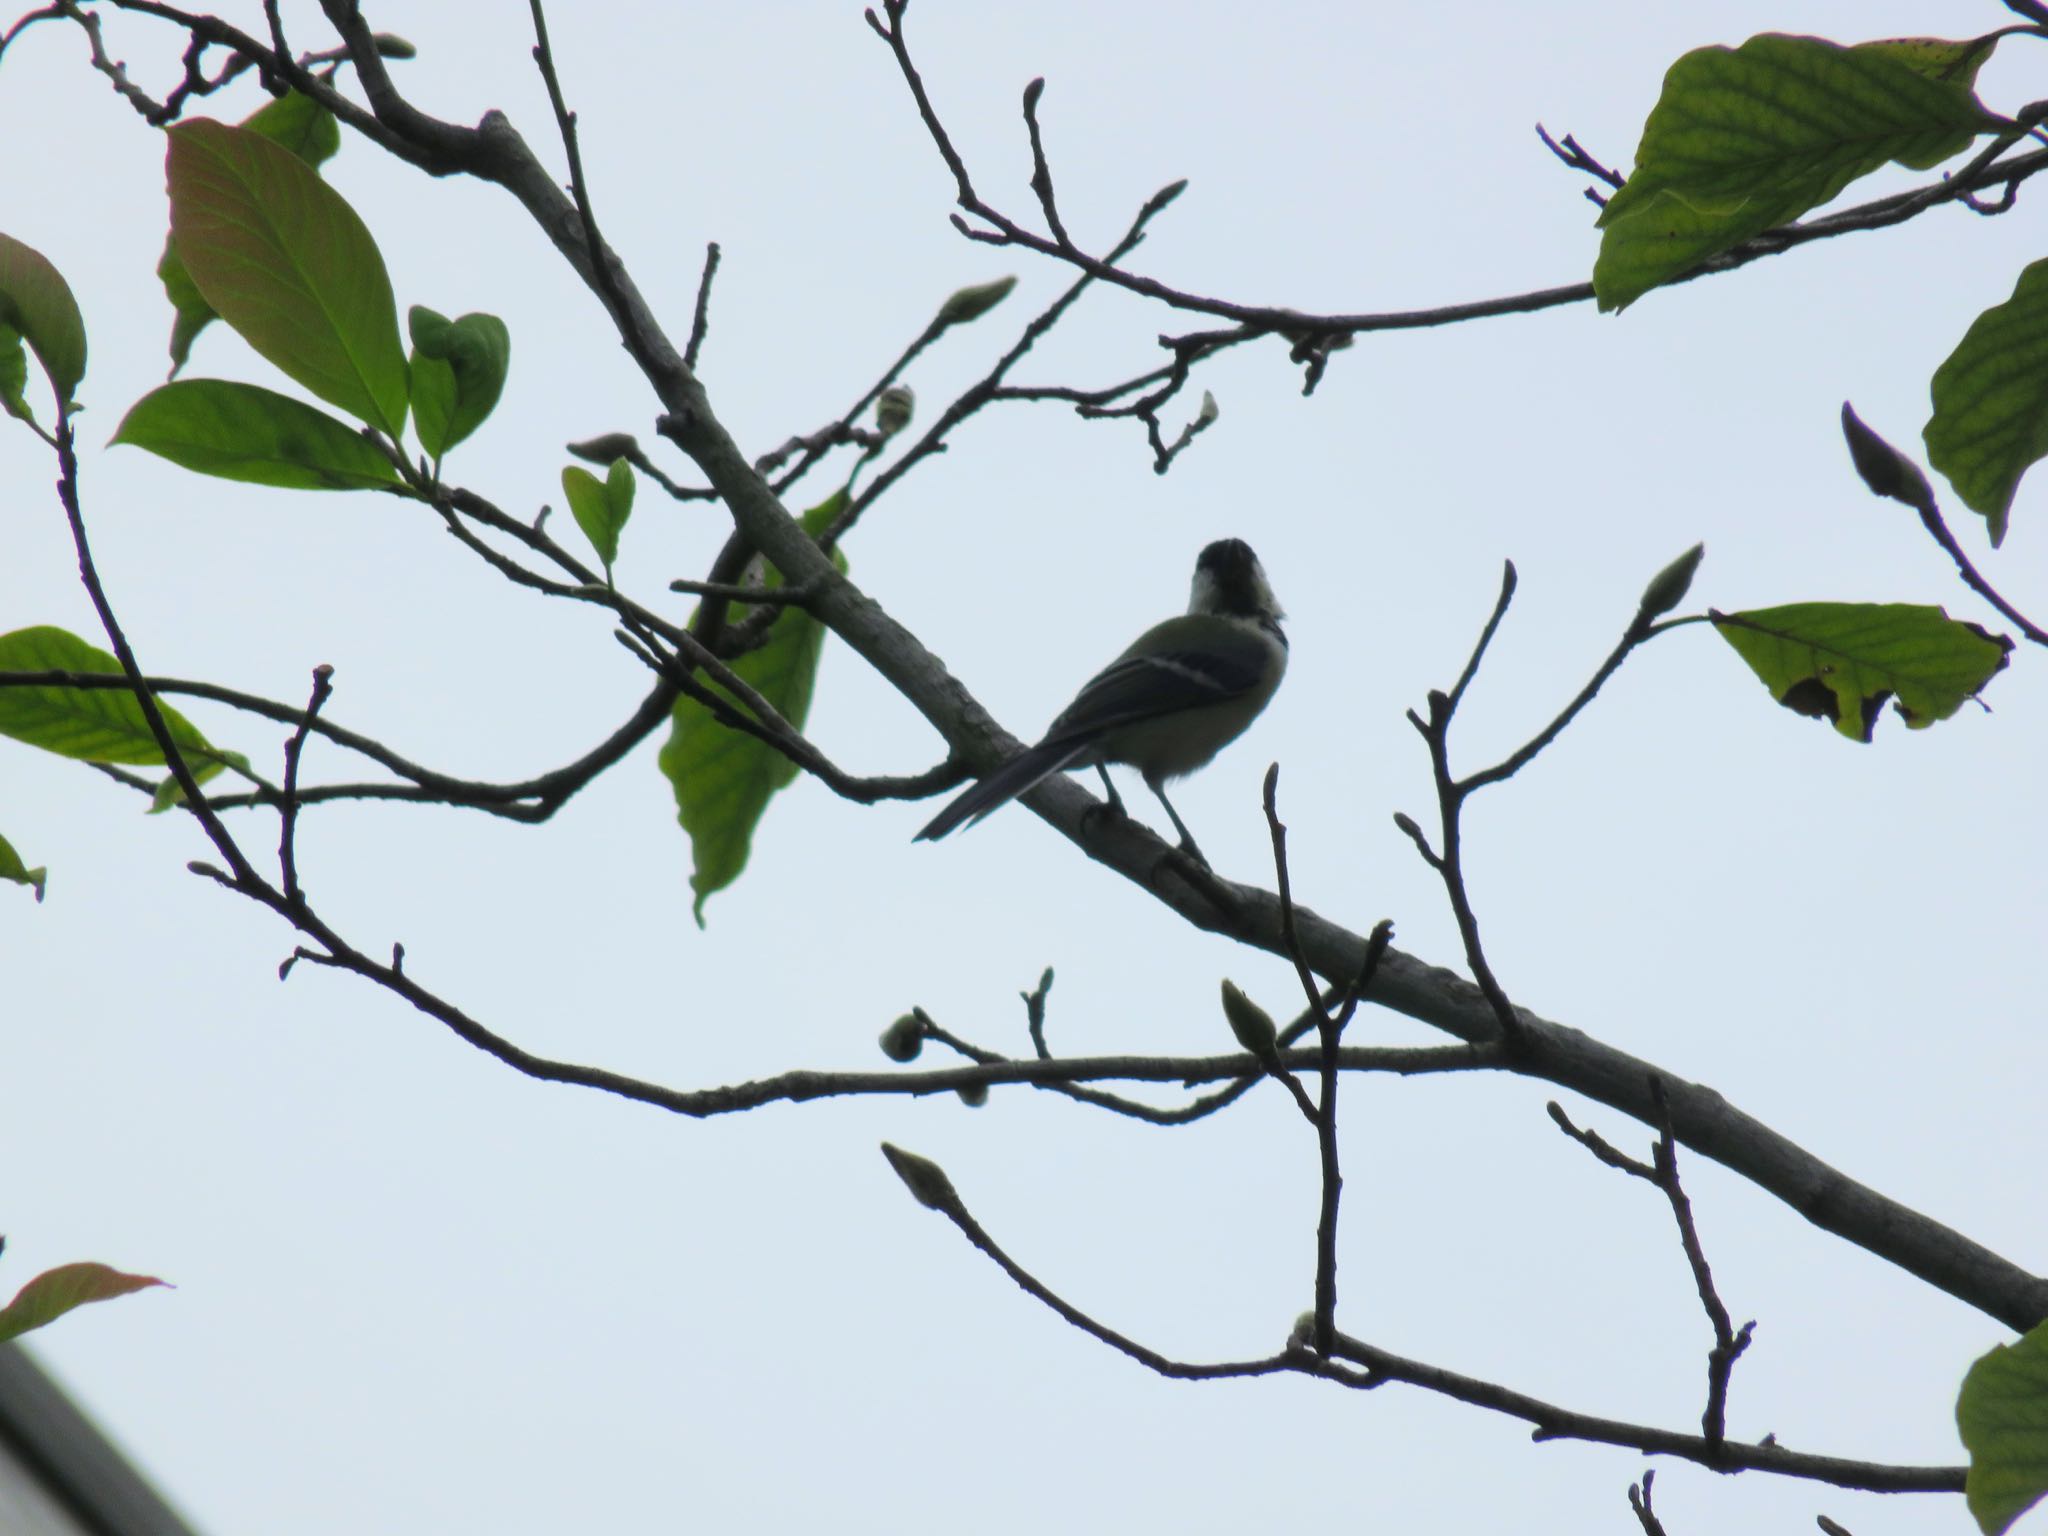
(419, 1293)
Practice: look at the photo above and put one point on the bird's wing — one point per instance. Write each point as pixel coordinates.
(1138, 687)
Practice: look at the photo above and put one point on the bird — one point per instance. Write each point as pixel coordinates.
(1182, 692)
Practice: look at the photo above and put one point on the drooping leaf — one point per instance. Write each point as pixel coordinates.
(601, 507)
(246, 432)
(1842, 661)
(1745, 139)
(283, 259)
(191, 314)
(723, 778)
(14, 375)
(2002, 1414)
(99, 725)
(458, 372)
(36, 304)
(12, 868)
(57, 1291)
(1990, 421)
(301, 125)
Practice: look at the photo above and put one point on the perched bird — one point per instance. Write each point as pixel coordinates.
(1184, 691)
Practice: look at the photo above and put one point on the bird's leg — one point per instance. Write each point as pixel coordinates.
(1187, 838)
(1116, 802)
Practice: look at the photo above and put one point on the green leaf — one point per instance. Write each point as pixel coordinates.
(56, 1291)
(2002, 1413)
(169, 792)
(12, 868)
(601, 507)
(1939, 58)
(286, 262)
(100, 725)
(1745, 139)
(458, 372)
(297, 123)
(300, 124)
(723, 778)
(36, 304)
(13, 375)
(192, 314)
(1841, 661)
(1990, 421)
(246, 432)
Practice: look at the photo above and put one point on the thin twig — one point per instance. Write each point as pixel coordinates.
(1639, 1498)
(1662, 1172)
(1034, 1014)
(700, 320)
(288, 808)
(933, 1189)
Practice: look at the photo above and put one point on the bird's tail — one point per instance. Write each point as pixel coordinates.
(1029, 767)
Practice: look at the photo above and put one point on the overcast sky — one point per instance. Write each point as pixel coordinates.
(419, 1293)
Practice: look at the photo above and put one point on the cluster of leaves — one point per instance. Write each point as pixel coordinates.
(1745, 140)
(259, 240)
(1741, 142)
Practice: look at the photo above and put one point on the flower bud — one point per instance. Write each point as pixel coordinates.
(893, 408)
(604, 450)
(1252, 1025)
(973, 1095)
(1668, 587)
(925, 1178)
(973, 302)
(902, 1040)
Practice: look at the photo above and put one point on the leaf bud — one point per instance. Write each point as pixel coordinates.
(1884, 469)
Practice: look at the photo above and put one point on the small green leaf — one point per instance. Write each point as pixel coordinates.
(1745, 139)
(12, 868)
(601, 507)
(723, 778)
(56, 1291)
(99, 725)
(170, 793)
(191, 313)
(1841, 661)
(2002, 1414)
(36, 304)
(299, 124)
(458, 372)
(246, 432)
(283, 259)
(1990, 421)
